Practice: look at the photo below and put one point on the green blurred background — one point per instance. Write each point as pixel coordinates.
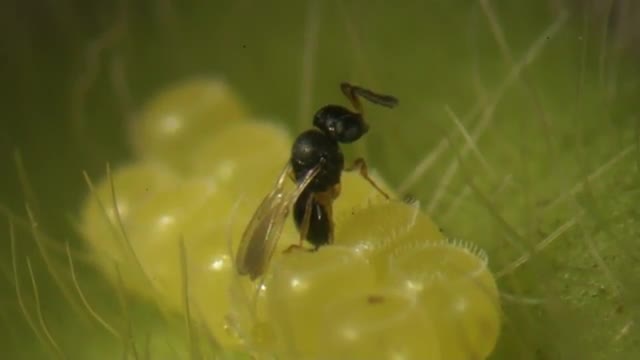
(74, 73)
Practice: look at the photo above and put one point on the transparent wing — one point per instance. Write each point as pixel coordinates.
(263, 231)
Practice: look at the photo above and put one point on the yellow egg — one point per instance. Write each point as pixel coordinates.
(419, 297)
(102, 219)
(171, 123)
(453, 285)
(379, 323)
(158, 226)
(248, 156)
(246, 143)
(300, 286)
(376, 228)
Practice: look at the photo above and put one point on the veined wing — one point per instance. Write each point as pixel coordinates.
(265, 227)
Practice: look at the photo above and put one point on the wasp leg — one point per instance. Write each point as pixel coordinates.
(306, 220)
(329, 209)
(360, 165)
(325, 199)
(336, 190)
(304, 226)
(291, 175)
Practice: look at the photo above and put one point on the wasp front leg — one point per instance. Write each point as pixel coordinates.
(360, 165)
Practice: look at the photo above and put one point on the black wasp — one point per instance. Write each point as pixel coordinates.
(316, 165)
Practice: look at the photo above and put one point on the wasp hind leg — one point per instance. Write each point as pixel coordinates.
(328, 207)
(360, 165)
(331, 225)
(304, 226)
(325, 201)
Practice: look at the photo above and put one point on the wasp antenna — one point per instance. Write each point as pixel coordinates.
(352, 92)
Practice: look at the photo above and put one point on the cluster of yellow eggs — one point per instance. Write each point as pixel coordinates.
(391, 287)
